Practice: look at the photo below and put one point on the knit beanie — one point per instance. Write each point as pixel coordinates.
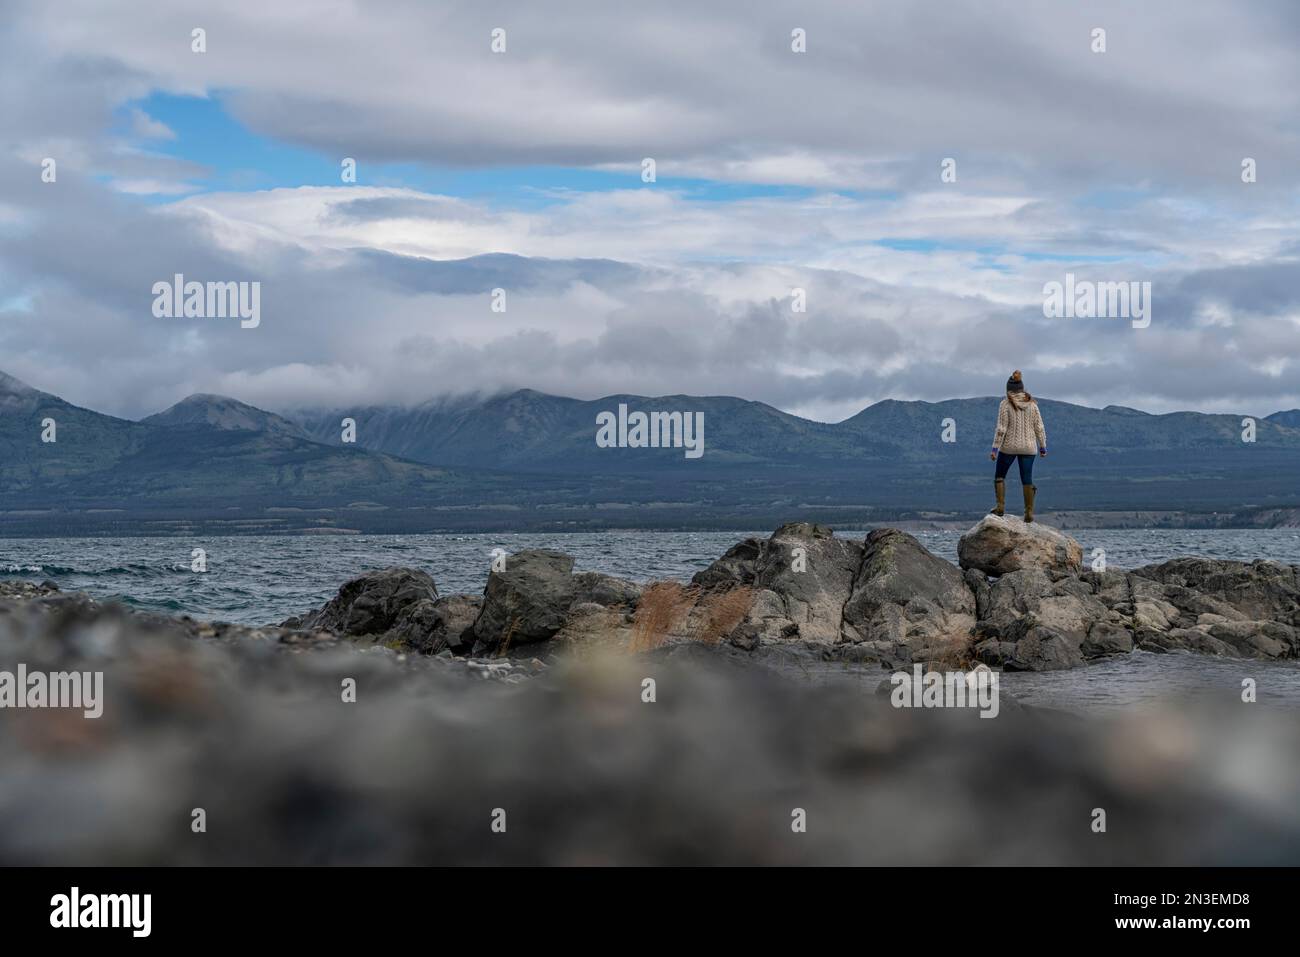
(1014, 384)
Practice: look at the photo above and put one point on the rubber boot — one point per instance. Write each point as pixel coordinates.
(1000, 489)
(1029, 502)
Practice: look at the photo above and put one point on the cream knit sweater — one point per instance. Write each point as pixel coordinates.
(1020, 428)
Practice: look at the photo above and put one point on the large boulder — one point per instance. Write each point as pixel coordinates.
(372, 603)
(530, 599)
(811, 572)
(1001, 544)
(801, 576)
(399, 607)
(1032, 621)
(907, 604)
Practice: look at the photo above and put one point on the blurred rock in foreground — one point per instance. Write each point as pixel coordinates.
(250, 726)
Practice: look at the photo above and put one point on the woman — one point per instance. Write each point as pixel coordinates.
(1019, 435)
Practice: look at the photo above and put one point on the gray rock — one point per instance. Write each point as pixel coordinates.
(1045, 649)
(997, 545)
(745, 636)
(1260, 590)
(811, 572)
(906, 602)
(598, 589)
(1009, 599)
(396, 607)
(738, 566)
(459, 613)
(1057, 622)
(1107, 638)
(1041, 612)
(528, 601)
(531, 599)
(802, 576)
(26, 589)
(1185, 639)
(420, 628)
(372, 603)
(1255, 639)
(994, 653)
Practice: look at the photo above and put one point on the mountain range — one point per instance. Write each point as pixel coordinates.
(528, 460)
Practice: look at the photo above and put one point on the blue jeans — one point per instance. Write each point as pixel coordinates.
(1026, 467)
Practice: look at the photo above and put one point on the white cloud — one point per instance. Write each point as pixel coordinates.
(1122, 166)
(152, 187)
(145, 126)
(717, 88)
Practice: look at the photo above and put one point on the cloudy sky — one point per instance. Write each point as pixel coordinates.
(776, 170)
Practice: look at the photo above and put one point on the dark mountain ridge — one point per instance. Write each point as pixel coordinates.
(527, 459)
(533, 431)
(223, 413)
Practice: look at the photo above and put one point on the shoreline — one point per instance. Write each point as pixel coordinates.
(1090, 520)
(1005, 594)
(259, 578)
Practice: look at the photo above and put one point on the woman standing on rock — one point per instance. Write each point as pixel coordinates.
(1020, 434)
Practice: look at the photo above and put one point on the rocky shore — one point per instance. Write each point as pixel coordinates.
(391, 724)
(1020, 600)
